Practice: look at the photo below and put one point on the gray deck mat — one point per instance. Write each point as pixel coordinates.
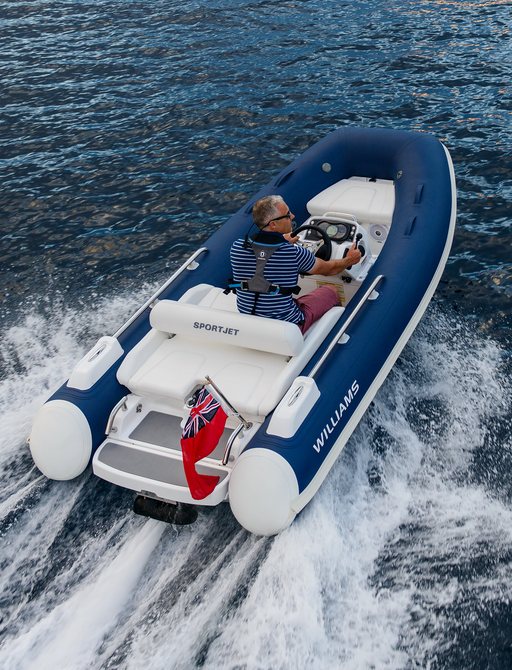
(151, 466)
(164, 430)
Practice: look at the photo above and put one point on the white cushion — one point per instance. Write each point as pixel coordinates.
(210, 296)
(254, 381)
(244, 376)
(225, 327)
(141, 352)
(368, 201)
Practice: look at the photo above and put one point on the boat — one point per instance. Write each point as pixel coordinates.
(292, 401)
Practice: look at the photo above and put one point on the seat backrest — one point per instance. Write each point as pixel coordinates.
(240, 330)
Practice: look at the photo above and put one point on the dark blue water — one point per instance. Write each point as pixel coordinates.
(129, 131)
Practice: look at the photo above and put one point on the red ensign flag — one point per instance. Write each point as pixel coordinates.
(201, 435)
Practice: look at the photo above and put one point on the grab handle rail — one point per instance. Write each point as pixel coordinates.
(229, 445)
(171, 279)
(113, 414)
(345, 326)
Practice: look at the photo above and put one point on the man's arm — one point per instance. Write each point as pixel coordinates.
(334, 267)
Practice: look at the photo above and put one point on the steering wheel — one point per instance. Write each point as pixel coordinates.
(325, 250)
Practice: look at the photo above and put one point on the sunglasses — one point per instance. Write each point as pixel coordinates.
(288, 215)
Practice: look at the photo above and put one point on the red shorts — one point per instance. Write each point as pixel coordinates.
(315, 304)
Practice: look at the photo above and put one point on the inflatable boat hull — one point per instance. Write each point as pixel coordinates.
(286, 461)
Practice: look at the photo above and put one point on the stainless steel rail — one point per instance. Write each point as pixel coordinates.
(345, 326)
(171, 279)
(113, 414)
(232, 437)
(222, 399)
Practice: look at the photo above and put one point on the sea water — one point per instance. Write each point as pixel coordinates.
(129, 132)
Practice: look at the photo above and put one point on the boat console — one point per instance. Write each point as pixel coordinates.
(342, 232)
(355, 210)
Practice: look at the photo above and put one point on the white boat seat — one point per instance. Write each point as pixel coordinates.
(212, 296)
(232, 328)
(371, 201)
(253, 368)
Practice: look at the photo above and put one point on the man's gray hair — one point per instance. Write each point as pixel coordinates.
(266, 209)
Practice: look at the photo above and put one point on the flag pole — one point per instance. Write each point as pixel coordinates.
(223, 398)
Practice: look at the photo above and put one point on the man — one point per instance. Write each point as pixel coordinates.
(270, 264)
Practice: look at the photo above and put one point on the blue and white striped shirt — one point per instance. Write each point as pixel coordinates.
(282, 269)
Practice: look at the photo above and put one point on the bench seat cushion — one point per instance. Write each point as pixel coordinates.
(169, 366)
(369, 200)
(178, 365)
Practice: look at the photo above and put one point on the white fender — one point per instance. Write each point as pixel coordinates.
(61, 440)
(262, 487)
